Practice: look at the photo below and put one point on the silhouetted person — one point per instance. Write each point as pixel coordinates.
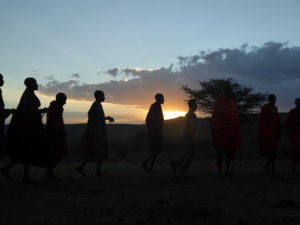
(225, 129)
(4, 113)
(189, 139)
(95, 143)
(25, 140)
(269, 132)
(56, 133)
(154, 122)
(293, 125)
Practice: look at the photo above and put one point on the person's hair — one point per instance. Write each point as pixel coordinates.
(98, 93)
(29, 81)
(60, 96)
(297, 101)
(1, 76)
(159, 96)
(191, 102)
(228, 91)
(271, 96)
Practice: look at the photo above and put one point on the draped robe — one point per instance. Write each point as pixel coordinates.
(26, 139)
(94, 142)
(225, 126)
(56, 132)
(154, 122)
(269, 129)
(293, 125)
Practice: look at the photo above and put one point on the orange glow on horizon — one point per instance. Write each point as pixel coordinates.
(173, 114)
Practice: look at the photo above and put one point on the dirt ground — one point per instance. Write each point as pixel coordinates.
(126, 195)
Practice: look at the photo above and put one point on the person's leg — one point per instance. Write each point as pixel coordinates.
(144, 164)
(80, 168)
(156, 147)
(273, 157)
(219, 160)
(5, 170)
(296, 159)
(188, 161)
(228, 160)
(49, 173)
(102, 157)
(294, 165)
(189, 157)
(269, 160)
(99, 167)
(152, 162)
(178, 162)
(26, 178)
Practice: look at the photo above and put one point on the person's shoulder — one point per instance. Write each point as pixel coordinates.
(292, 111)
(190, 115)
(154, 105)
(95, 104)
(265, 106)
(52, 104)
(220, 98)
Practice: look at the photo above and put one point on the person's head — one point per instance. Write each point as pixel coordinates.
(159, 98)
(272, 99)
(1, 80)
(297, 102)
(99, 96)
(31, 83)
(192, 105)
(227, 91)
(61, 98)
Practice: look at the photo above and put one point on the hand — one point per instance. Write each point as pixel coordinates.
(12, 111)
(110, 119)
(63, 133)
(44, 110)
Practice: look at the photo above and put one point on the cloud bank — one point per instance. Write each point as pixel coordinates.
(272, 67)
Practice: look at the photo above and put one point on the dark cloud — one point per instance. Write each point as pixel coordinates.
(113, 72)
(75, 76)
(50, 78)
(272, 67)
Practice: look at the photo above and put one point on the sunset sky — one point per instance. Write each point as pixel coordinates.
(132, 49)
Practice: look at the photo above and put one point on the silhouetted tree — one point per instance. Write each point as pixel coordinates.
(247, 101)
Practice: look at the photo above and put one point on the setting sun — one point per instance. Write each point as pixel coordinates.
(173, 114)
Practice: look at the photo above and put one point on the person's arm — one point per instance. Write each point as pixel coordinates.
(193, 129)
(7, 112)
(44, 110)
(110, 119)
(289, 121)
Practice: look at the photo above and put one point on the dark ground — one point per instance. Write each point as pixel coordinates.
(126, 195)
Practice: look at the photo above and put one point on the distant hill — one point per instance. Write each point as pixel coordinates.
(130, 142)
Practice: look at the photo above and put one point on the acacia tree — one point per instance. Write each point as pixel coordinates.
(247, 101)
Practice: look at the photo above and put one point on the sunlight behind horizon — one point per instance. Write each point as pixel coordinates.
(173, 114)
(121, 48)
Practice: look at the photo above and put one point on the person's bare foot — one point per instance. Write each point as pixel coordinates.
(151, 172)
(5, 172)
(28, 180)
(51, 177)
(173, 166)
(228, 174)
(145, 167)
(99, 175)
(81, 170)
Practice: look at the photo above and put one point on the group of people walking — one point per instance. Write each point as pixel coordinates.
(28, 142)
